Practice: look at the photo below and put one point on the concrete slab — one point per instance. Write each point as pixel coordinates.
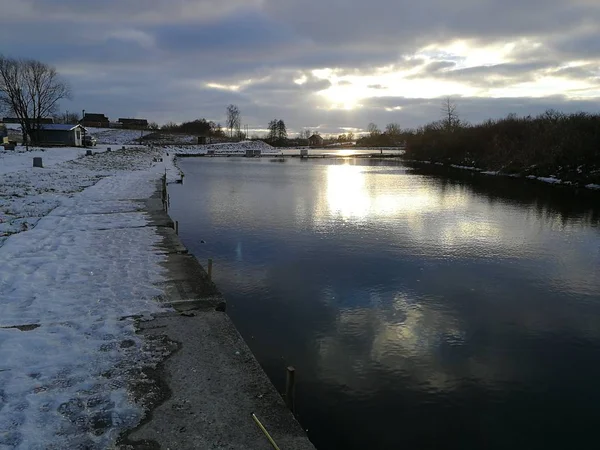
(211, 385)
(176, 292)
(215, 385)
(171, 242)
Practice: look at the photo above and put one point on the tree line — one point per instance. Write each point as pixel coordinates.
(549, 144)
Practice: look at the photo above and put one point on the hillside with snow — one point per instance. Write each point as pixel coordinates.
(228, 148)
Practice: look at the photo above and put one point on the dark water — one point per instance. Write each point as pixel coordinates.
(420, 311)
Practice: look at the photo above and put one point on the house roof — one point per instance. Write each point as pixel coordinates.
(95, 117)
(124, 120)
(315, 136)
(58, 127)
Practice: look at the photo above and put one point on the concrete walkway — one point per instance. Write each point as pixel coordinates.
(212, 384)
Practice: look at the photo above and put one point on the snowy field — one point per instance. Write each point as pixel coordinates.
(78, 261)
(19, 159)
(115, 136)
(229, 148)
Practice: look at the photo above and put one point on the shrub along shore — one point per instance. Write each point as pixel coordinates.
(554, 145)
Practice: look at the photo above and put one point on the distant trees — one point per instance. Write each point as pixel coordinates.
(373, 130)
(549, 144)
(304, 133)
(392, 136)
(393, 129)
(198, 127)
(67, 117)
(277, 132)
(30, 90)
(233, 120)
(449, 113)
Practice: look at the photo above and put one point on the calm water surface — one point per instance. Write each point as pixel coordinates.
(420, 311)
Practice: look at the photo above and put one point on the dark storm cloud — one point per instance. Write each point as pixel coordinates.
(384, 21)
(248, 34)
(157, 57)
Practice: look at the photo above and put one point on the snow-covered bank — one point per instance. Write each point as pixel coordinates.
(115, 136)
(544, 179)
(19, 159)
(229, 148)
(84, 262)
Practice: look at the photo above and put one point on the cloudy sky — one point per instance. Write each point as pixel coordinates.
(330, 65)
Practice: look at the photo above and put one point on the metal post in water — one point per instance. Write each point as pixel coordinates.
(290, 389)
(210, 264)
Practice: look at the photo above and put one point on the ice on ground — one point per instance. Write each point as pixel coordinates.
(551, 180)
(20, 158)
(593, 186)
(68, 287)
(115, 136)
(456, 166)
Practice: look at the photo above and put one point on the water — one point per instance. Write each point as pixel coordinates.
(420, 311)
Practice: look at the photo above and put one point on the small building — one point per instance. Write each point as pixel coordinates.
(59, 134)
(135, 124)
(315, 141)
(95, 120)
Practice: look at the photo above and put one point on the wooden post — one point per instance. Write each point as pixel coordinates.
(177, 227)
(210, 263)
(290, 389)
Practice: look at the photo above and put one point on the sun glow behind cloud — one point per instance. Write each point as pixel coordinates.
(347, 90)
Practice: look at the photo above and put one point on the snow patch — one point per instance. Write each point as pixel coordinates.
(78, 260)
(550, 180)
(230, 148)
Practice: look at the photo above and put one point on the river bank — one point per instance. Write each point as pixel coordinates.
(211, 384)
(532, 174)
(93, 333)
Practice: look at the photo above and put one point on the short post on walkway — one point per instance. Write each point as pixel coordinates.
(210, 264)
(290, 389)
(37, 162)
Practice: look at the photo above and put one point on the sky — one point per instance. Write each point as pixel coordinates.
(327, 65)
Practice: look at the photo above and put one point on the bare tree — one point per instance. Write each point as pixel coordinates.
(449, 112)
(30, 90)
(393, 129)
(234, 120)
(373, 130)
(305, 134)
